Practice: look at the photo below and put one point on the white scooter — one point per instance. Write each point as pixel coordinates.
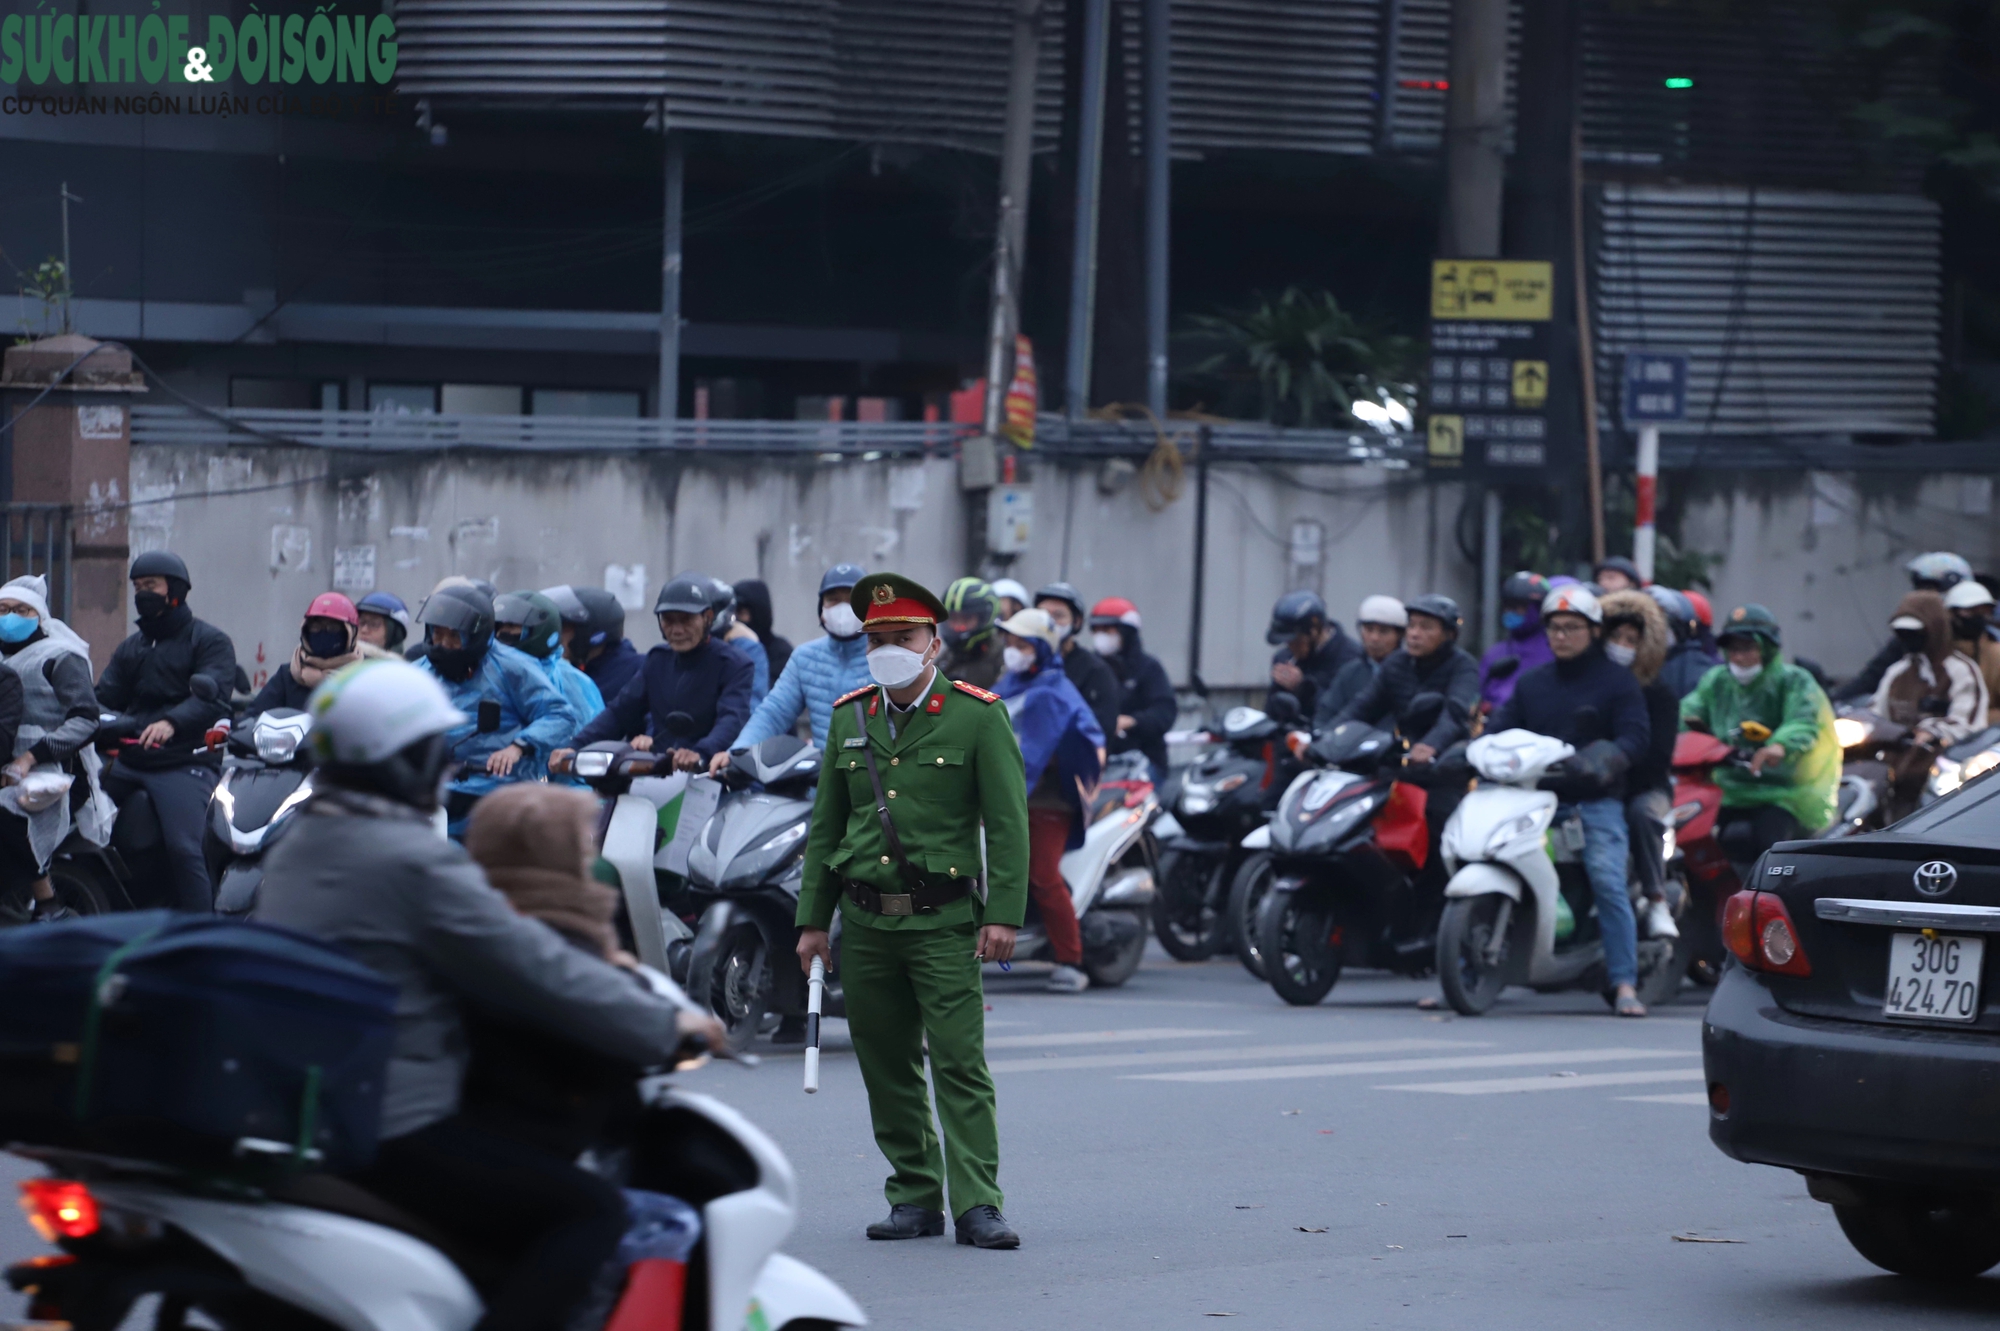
(1110, 877)
(277, 1247)
(1518, 908)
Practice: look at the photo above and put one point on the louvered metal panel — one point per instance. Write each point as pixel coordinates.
(1303, 75)
(1801, 313)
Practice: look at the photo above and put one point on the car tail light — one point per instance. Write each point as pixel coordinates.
(1718, 1099)
(1758, 931)
(1737, 933)
(59, 1208)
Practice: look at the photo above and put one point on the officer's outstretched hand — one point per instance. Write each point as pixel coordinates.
(814, 943)
(996, 942)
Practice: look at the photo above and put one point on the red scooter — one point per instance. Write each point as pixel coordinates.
(1711, 876)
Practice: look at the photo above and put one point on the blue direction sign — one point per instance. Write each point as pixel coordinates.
(1655, 387)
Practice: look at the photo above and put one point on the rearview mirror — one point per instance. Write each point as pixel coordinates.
(1282, 707)
(489, 716)
(202, 687)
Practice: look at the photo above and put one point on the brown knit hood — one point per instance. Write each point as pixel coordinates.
(535, 842)
(1929, 607)
(1654, 637)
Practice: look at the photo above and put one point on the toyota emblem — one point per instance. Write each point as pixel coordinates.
(1935, 878)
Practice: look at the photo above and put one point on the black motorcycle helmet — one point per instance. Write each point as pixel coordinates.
(164, 564)
(1069, 596)
(1439, 607)
(1296, 613)
(604, 616)
(969, 596)
(722, 600)
(536, 622)
(1525, 587)
(690, 594)
(468, 612)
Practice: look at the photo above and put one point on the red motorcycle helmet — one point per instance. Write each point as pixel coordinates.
(332, 605)
(1114, 610)
(1704, 613)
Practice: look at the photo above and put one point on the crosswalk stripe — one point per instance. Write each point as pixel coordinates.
(1678, 1098)
(1511, 1085)
(1164, 1058)
(1136, 1035)
(1300, 1071)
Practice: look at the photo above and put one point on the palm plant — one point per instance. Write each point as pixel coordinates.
(1305, 359)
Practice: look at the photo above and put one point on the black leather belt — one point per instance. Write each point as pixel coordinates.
(924, 901)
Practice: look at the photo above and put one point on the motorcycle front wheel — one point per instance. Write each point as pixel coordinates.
(1301, 943)
(1190, 913)
(739, 985)
(1246, 894)
(1471, 982)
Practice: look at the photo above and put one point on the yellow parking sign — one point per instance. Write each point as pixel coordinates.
(1531, 384)
(1517, 289)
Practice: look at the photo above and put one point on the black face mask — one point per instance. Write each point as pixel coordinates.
(324, 643)
(151, 605)
(1969, 626)
(1912, 640)
(454, 664)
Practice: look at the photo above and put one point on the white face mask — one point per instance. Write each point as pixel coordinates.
(840, 620)
(894, 667)
(1745, 674)
(1107, 642)
(1017, 658)
(1620, 653)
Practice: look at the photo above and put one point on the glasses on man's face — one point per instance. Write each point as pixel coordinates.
(1564, 628)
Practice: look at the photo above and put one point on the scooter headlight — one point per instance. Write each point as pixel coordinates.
(1849, 731)
(277, 746)
(589, 764)
(1946, 776)
(1197, 799)
(1530, 824)
(1979, 764)
(791, 836)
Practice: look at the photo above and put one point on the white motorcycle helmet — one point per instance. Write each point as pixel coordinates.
(1573, 600)
(381, 726)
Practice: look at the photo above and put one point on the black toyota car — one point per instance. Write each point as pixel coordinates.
(1857, 1037)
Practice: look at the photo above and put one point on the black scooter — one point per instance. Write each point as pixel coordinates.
(1213, 804)
(266, 778)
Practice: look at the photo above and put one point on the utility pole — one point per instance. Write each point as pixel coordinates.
(1089, 195)
(69, 278)
(670, 275)
(1475, 137)
(1010, 246)
(1156, 37)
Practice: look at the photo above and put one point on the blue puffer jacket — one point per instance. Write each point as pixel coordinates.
(819, 672)
(532, 714)
(580, 692)
(760, 666)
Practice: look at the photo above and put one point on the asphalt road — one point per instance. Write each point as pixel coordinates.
(1189, 1148)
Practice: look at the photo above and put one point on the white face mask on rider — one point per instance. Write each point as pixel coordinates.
(840, 620)
(1620, 653)
(1745, 674)
(1017, 658)
(895, 667)
(1108, 642)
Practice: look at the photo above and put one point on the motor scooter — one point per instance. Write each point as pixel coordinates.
(266, 778)
(1210, 806)
(1519, 907)
(1974, 757)
(744, 872)
(1110, 877)
(1347, 844)
(273, 1244)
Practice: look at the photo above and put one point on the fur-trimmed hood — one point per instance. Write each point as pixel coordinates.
(1654, 639)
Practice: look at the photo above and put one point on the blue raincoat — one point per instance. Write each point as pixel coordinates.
(1054, 725)
(532, 713)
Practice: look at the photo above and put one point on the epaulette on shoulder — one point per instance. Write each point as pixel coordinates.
(975, 691)
(847, 698)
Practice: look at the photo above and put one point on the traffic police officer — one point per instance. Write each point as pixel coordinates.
(918, 912)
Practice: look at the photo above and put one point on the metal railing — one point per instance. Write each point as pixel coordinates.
(377, 432)
(40, 539)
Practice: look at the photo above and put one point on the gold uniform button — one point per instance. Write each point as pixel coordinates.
(940, 762)
(954, 871)
(895, 762)
(885, 859)
(892, 794)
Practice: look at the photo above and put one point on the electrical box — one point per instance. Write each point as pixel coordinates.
(1010, 519)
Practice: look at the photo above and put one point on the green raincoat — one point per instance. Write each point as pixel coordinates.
(1791, 703)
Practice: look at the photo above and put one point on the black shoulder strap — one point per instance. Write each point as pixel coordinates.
(911, 879)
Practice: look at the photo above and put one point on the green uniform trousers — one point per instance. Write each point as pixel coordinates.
(901, 985)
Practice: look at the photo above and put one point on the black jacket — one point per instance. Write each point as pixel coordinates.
(1863, 685)
(1401, 677)
(615, 667)
(1320, 670)
(1098, 683)
(1663, 714)
(1147, 696)
(1582, 701)
(711, 684)
(148, 680)
(1346, 687)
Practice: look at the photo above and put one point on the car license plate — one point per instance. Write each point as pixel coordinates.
(1934, 977)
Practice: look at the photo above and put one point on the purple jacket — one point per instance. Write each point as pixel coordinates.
(1508, 659)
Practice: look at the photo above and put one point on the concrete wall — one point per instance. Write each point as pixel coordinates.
(265, 529)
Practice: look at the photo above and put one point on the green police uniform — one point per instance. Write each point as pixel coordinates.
(949, 765)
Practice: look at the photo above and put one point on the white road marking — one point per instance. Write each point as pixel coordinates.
(1305, 1070)
(1511, 1085)
(1135, 1035)
(1681, 1098)
(1166, 1058)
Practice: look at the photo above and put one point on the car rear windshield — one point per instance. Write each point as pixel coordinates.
(1968, 817)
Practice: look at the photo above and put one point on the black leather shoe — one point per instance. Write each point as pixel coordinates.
(909, 1222)
(985, 1227)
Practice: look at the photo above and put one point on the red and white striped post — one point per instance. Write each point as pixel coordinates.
(1649, 481)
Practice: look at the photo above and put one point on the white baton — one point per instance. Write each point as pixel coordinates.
(815, 991)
